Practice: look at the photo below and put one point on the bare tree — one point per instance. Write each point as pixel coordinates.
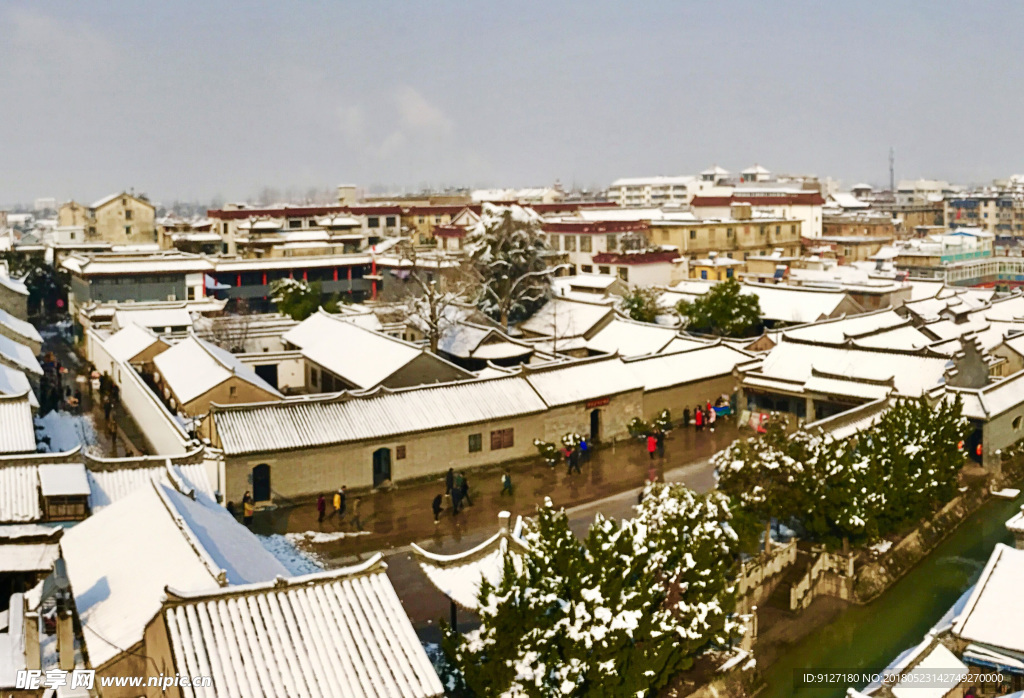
(232, 331)
(437, 286)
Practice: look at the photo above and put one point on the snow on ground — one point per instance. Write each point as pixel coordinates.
(319, 537)
(65, 431)
(297, 561)
(881, 547)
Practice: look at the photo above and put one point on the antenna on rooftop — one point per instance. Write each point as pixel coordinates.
(892, 169)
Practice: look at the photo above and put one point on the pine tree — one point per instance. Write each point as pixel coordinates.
(508, 253)
(619, 614)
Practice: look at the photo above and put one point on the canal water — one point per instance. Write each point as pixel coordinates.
(870, 637)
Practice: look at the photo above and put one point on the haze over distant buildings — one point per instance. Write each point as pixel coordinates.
(189, 100)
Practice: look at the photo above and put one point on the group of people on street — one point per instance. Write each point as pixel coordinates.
(340, 503)
(703, 416)
(575, 455)
(456, 490)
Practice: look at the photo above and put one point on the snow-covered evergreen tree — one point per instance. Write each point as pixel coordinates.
(616, 615)
(507, 250)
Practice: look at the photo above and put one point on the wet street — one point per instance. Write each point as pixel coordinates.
(608, 484)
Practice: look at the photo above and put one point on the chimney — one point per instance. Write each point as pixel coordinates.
(33, 659)
(65, 640)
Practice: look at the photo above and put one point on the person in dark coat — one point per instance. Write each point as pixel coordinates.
(341, 502)
(574, 460)
(686, 417)
(436, 506)
(449, 481)
(584, 450)
(321, 508)
(464, 489)
(456, 500)
(506, 483)
(659, 437)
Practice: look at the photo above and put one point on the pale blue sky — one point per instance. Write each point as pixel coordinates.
(189, 99)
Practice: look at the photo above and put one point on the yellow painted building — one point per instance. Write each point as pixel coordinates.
(120, 219)
(739, 237)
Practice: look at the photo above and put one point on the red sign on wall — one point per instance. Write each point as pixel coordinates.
(599, 402)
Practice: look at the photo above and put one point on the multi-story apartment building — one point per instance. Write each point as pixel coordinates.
(657, 191)
(1002, 214)
(784, 203)
(740, 235)
(119, 219)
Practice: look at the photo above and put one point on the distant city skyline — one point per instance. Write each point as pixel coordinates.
(188, 101)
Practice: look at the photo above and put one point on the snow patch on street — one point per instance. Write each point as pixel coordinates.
(64, 431)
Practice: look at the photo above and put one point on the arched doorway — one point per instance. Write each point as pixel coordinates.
(595, 426)
(381, 466)
(261, 483)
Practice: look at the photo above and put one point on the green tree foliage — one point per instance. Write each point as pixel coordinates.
(508, 253)
(851, 490)
(300, 299)
(46, 284)
(724, 310)
(616, 615)
(641, 304)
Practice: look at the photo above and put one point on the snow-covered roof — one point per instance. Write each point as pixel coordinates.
(109, 485)
(19, 493)
(933, 677)
(154, 319)
(848, 201)
(1009, 308)
(468, 340)
(842, 328)
(852, 421)
(795, 304)
(579, 381)
(20, 327)
(63, 480)
(564, 318)
(601, 282)
(342, 632)
(19, 355)
(12, 284)
(912, 373)
(670, 369)
(994, 614)
(359, 356)
(127, 343)
(298, 424)
(169, 539)
(17, 431)
(630, 338)
(120, 263)
(459, 576)
(27, 557)
(15, 382)
(194, 366)
(362, 316)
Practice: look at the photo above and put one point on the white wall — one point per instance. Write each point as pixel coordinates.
(163, 432)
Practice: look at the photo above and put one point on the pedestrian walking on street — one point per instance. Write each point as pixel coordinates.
(506, 483)
(355, 514)
(436, 506)
(336, 501)
(248, 509)
(464, 489)
(449, 481)
(321, 508)
(341, 500)
(584, 450)
(652, 445)
(698, 418)
(660, 440)
(712, 416)
(686, 417)
(456, 500)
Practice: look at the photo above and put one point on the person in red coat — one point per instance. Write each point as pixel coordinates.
(652, 445)
(698, 419)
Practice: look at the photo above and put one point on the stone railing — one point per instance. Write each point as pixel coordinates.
(753, 573)
(839, 567)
